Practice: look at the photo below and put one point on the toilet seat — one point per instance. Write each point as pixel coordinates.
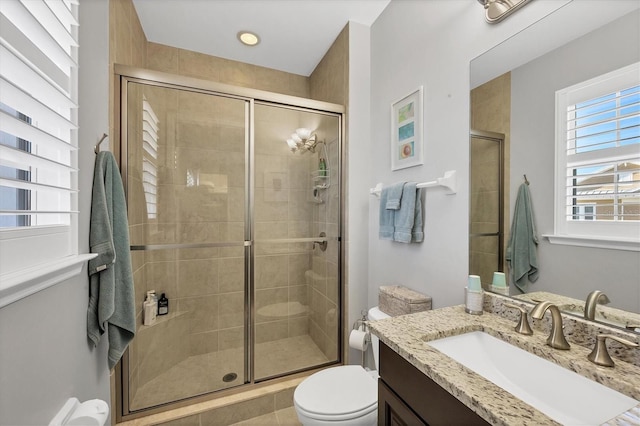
(337, 393)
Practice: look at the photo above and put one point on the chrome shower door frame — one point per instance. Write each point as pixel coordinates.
(499, 139)
(127, 74)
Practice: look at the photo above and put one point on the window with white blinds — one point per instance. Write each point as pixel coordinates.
(38, 130)
(150, 129)
(598, 156)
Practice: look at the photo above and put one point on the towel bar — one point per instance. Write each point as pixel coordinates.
(448, 181)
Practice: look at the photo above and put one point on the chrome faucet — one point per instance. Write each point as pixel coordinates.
(593, 299)
(556, 339)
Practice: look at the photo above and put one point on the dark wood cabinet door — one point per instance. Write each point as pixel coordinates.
(432, 404)
(392, 411)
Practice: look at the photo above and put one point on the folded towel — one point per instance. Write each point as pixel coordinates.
(111, 291)
(404, 217)
(386, 217)
(521, 250)
(394, 195)
(401, 215)
(417, 234)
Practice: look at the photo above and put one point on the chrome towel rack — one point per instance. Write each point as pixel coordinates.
(448, 181)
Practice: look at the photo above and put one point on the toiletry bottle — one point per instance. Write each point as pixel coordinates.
(163, 305)
(323, 167)
(150, 310)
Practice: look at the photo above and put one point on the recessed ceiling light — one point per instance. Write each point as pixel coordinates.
(248, 38)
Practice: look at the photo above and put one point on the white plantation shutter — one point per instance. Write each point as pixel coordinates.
(598, 150)
(150, 129)
(38, 131)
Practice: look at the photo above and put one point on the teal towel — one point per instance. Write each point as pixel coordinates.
(417, 234)
(404, 223)
(404, 218)
(386, 217)
(111, 291)
(394, 195)
(521, 250)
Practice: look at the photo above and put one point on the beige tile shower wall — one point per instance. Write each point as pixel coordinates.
(329, 82)
(204, 200)
(127, 46)
(193, 64)
(282, 210)
(200, 187)
(323, 278)
(491, 111)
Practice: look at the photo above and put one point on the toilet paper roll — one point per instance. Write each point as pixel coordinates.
(359, 340)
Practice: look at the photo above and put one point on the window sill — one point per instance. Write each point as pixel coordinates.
(594, 242)
(20, 284)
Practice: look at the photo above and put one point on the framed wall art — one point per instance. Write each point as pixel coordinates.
(406, 131)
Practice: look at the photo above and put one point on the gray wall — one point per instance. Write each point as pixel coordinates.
(430, 43)
(568, 270)
(45, 357)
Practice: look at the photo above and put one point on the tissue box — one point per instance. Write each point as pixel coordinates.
(398, 300)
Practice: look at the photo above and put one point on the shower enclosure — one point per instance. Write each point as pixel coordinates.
(486, 223)
(241, 234)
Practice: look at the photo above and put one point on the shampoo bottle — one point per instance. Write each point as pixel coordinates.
(323, 167)
(163, 305)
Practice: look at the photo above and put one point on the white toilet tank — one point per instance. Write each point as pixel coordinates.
(376, 314)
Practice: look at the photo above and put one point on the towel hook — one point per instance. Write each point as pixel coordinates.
(97, 147)
(525, 179)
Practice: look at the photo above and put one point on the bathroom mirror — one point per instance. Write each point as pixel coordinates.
(578, 41)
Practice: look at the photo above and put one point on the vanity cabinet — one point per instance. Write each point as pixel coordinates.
(408, 397)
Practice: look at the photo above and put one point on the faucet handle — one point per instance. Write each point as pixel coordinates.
(600, 356)
(523, 326)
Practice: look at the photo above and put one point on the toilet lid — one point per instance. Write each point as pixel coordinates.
(337, 391)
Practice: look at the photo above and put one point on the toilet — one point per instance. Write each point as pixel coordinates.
(345, 395)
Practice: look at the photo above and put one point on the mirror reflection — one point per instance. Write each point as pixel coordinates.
(515, 97)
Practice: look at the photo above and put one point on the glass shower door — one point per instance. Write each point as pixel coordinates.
(296, 241)
(186, 188)
(486, 228)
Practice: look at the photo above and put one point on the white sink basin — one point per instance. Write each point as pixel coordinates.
(561, 394)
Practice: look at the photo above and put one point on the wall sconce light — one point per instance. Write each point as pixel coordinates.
(497, 10)
(302, 140)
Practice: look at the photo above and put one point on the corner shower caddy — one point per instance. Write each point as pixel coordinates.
(321, 179)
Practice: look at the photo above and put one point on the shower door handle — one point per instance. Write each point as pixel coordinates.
(189, 245)
(321, 241)
(293, 240)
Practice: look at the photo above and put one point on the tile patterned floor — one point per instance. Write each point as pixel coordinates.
(285, 417)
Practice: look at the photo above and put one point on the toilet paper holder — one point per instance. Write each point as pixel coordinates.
(361, 326)
(361, 323)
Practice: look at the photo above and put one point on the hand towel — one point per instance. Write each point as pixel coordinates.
(111, 291)
(394, 195)
(417, 234)
(404, 217)
(386, 217)
(521, 250)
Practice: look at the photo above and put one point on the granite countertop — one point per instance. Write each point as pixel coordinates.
(407, 335)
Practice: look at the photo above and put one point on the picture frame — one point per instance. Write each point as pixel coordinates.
(407, 131)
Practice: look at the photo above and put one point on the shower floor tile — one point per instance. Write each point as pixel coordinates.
(281, 356)
(202, 374)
